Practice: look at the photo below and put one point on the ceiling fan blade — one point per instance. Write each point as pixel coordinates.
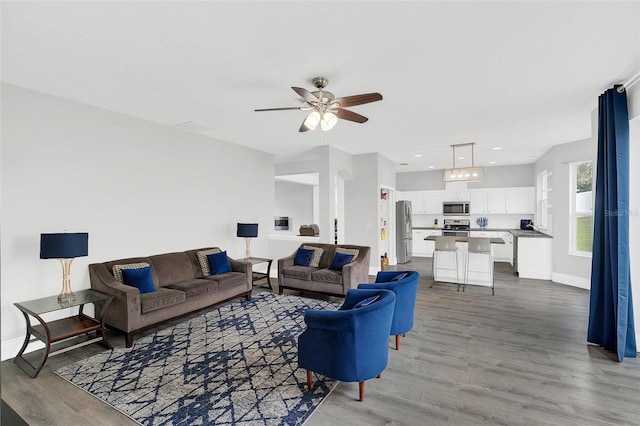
(345, 114)
(349, 101)
(303, 126)
(306, 95)
(282, 109)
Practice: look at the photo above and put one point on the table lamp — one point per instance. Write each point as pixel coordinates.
(247, 231)
(65, 247)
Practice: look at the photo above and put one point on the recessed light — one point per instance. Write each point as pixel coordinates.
(460, 158)
(430, 167)
(418, 155)
(492, 162)
(497, 148)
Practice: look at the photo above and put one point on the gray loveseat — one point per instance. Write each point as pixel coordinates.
(181, 288)
(321, 279)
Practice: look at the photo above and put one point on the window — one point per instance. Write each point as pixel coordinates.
(581, 208)
(542, 200)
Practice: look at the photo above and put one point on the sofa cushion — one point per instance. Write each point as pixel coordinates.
(204, 262)
(303, 257)
(139, 278)
(229, 279)
(117, 269)
(353, 252)
(299, 272)
(327, 276)
(339, 260)
(317, 255)
(172, 268)
(219, 263)
(196, 288)
(162, 298)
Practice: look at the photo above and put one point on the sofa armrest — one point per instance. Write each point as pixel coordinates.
(244, 267)
(124, 311)
(355, 273)
(284, 262)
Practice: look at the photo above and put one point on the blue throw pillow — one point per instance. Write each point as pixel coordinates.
(219, 263)
(399, 277)
(139, 278)
(366, 302)
(303, 257)
(339, 260)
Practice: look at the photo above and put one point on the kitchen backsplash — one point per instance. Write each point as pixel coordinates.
(499, 221)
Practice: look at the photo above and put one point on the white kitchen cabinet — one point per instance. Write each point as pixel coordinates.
(535, 258)
(456, 195)
(419, 244)
(496, 200)
(520, 200)
(417, 201)
(478, 201)
(432, 202)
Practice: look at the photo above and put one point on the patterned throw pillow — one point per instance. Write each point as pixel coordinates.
(315, 261)
(353, 252)
(117, 269)
(204, 262)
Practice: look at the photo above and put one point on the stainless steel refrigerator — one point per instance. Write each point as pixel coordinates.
(404, 229)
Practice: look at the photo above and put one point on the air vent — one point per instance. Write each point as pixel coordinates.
(192, 126)
(404, 164)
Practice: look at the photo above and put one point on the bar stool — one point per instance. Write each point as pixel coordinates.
(444, 245)
(482, 247)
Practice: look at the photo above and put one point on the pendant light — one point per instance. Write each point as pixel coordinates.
(463, 174)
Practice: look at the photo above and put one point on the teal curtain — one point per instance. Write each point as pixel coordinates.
(611, 306)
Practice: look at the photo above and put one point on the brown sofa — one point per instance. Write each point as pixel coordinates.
(321, 279)
(181, 289)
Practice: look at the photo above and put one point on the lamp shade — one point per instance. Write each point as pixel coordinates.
(247, 230)
(64, 245)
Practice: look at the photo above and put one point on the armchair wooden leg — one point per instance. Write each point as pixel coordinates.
(361, 391)
(397, 342)
(378, 376)
(309, 380)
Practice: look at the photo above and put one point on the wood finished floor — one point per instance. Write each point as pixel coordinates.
(516, 358)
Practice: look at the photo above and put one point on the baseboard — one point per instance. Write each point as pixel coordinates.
(10, 348)
(571, 280)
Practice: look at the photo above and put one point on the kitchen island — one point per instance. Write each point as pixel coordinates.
(480, 270)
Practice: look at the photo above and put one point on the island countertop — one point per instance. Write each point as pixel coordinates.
(466, 239)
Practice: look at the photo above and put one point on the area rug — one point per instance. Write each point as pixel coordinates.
(236, 365)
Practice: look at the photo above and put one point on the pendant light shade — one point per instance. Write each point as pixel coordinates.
(329, 120)
(312, 120)
(472, 173)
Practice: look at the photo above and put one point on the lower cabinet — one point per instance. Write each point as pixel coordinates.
(419, 244)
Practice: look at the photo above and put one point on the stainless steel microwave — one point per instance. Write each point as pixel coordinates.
(455, 208)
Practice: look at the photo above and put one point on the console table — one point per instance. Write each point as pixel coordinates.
(62, 329)
(260, 275)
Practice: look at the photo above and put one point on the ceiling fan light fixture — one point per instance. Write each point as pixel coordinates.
(329, 120)
(312, 120)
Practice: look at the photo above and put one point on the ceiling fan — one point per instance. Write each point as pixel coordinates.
(326, 108)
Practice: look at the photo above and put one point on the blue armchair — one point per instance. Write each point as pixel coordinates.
(350, 344)
(406, 290)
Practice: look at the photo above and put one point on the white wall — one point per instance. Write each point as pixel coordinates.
(567, 269)
(495, 177)
(294, 200)
(137, 188)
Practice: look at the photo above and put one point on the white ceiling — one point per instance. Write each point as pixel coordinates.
(523, 76)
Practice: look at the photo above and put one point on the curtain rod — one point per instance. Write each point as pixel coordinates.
(627, 84)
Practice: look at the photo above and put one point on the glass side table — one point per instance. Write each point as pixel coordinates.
(62, 329)
(257, 276)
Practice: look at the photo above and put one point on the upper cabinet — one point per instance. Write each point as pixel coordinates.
(417, 201)
(456, 195)
(502, 201)
(520, 200)
(433, 202)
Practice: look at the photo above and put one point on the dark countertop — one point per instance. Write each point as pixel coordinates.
(430, 228)
(518, 233)
(466, 239)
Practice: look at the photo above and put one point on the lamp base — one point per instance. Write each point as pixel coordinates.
(247, 253)
(66, 294)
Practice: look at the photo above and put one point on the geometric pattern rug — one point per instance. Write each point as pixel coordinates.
(236, 365)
